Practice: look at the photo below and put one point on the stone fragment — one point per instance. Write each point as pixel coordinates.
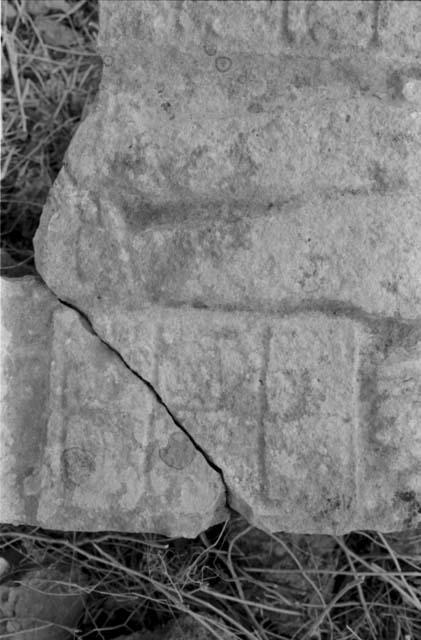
(85, 444)
(316, 400)
(239, 217)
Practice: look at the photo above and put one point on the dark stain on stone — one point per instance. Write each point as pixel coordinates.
(210, 48)
(378, 174)
(391, 286)
(397, 334)
(333, 504)
(199, 304)
(223, 64)
(375, 39)
(179, 452)
(375, 322)
(361, 16)
(178, 23)
(77, 464)
(406, 496)
(412, 72)
(287, 35)
(394, 84)
(255, 107)
(140, 214)
(167, 107)
(370, 403)
(302, 79)
(312, 33)
(380, 178)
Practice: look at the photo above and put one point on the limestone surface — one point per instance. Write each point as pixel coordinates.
(323, 406)
(239, 217)
(84, 443)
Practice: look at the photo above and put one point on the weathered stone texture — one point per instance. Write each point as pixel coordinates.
(85, 443)
(330, 248)
(240, 218)
(292, 174)
(315, 402)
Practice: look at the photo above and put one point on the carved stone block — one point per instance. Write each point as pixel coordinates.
(238, 218)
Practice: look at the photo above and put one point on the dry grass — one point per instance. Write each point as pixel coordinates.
(238, 582)
(50, 70)
(233, 579)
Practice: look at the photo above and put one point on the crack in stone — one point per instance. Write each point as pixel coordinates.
(390, 332)
(159, 399)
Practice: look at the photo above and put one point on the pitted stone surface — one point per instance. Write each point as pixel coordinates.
(323, 407)
(289, 173)
(84, 443)
(352, 249)
(240, 218)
